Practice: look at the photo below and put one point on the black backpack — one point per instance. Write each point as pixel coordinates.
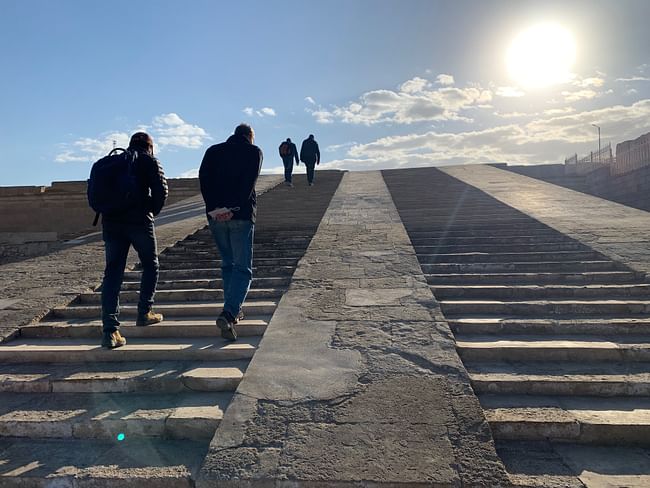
(113, 183)
(285, 149)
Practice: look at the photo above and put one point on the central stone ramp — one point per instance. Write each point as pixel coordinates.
(356, 383)
(555, 336)
(64, 401)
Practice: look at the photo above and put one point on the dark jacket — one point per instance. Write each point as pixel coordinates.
(228, 175)
(309, 152)
(153, 192)
(293, 155)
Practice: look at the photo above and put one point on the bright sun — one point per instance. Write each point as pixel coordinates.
(541, 56)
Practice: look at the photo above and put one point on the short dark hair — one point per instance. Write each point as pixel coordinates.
(311, 136)
(244, 130)
(141, 140)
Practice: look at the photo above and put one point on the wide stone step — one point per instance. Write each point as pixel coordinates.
(523, 267)
(527, 239)
(564, 379)
(615, 326)
(185, 295)
(603, 421)
(488, 248)
(178, 309)
(71, 463)
(503, 257)
(541, 278)
(542, 308)
(136, 349)
(532, 292)
(543, 348)
(185, 274)
(170, 327)
(543, 464)
(189, 283)
(130, 377)
(180, 253)
(214, 263)
(106, 415)
(461, 232)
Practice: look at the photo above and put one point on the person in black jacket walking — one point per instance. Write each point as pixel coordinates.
(288, 152)
(228, 175)
(310, 155)
(133, 227)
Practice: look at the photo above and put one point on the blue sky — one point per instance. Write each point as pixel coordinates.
(381, 83)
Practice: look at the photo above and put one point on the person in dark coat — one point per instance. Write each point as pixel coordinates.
(310, 155)
(228, 175)
(288, 152)
(133, 227)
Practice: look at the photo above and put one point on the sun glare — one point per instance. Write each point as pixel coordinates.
(541, 56)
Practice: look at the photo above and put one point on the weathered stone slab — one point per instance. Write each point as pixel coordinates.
(357, 381)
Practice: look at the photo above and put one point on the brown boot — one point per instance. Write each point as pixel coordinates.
(148, 319)
(113, 339)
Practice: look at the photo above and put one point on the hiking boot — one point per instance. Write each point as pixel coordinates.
(148, 319)
(227, 327)
(111, 340)
(311, 184)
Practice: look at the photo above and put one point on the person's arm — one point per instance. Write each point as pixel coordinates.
(295, 153)
(206, 179)
(158, 186)
(317, 153)
(250, 178)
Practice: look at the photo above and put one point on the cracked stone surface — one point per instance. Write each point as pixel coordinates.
(29, 289)
(357, 381)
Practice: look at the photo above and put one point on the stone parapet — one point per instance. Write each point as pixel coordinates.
(357, 381)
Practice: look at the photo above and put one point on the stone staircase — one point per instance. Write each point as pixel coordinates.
(555, 336)
(143, 415)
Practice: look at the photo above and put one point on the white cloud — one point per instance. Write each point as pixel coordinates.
(574, 96)
(263, 112)
(509, 92)
(248, 111)
(336, 147)
(191, 173)
(594, 81)
(545, 140)
(268, 111)
(168, 131)
(445, 80)
(414, 102)
(310, 100)
(634, 78)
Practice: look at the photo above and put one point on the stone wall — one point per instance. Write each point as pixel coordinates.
(63, 207)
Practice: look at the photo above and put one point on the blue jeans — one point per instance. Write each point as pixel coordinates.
(311, 170)
(118, 238)
(234, 240)
(288, 169)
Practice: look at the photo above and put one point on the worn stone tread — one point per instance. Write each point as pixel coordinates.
(110, 377)
(516, 326)
(105, 415)
(538, 292)
(197, 294)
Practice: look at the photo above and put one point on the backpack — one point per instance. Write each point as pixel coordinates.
(113, 183)
(285, 149)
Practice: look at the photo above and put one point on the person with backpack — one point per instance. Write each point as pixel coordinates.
(288, 152)
(128, 189)
(228, 174)
(310, 155)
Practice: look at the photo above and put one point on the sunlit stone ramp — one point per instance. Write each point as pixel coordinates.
(546, 292)
(74, 415)
(356, 382)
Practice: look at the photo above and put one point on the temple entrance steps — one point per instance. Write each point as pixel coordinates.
(555, 336)
(145, 413)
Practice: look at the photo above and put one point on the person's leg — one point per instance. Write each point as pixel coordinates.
(241, 241)
(288, 169)
(143, 238)
(221, 235)
(310, 172)
(116, 245)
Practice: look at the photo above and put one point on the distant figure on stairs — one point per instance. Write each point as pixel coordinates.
(310, 155)
(288, 152)
(228, 175)
(130, 223)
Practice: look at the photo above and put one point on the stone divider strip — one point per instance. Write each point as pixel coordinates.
(32, 287)
(356, 381)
